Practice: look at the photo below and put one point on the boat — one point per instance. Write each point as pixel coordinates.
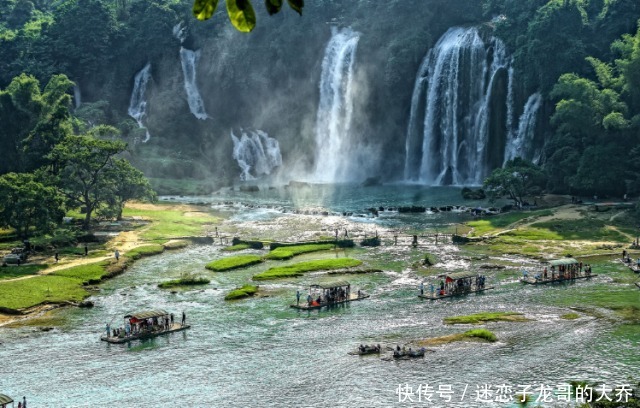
(144, 324)
(559, 270)
(328, 295)
(408, 353)
(455, 284)
(5, 400)
(366, 350)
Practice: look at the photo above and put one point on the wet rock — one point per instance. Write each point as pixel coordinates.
(372, 181)
(86, 304)
(469, 194)
(249, 188)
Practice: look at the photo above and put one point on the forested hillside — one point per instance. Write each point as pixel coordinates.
(205, 81)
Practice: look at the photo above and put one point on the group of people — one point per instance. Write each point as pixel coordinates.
(329, 296)
(455, 286)
(369, 349)
(402, 352)
(135, 326)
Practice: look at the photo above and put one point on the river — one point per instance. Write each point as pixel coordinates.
(260, 352)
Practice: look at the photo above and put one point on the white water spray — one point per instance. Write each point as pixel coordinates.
(447, 139)
(257, 154)
(138, 104)
(521, 142)
(335, 110)
(189, 60)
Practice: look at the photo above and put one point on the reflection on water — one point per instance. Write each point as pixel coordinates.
(260, 352)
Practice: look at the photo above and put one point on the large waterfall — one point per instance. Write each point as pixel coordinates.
(520, 143)
(189, 59)
(335, 109)
(138, 103)
(256, 153)
(451, 120)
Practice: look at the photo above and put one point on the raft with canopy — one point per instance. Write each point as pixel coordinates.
(454, 284)
(329, 294)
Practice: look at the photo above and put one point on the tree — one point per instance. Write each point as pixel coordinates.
(27, 205)
(83, 161)
(125, 183)
(32, 121)
(241, 12)
(516, 180)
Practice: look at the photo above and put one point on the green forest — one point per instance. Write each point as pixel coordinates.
(63, 150)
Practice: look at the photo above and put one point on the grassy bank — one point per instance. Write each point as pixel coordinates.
(289, 252)
(300, 268)
(145, 250)
(11, 272)
(61, 286)
(480, 318)
(233, 262)
(169, 222)
(243, 292)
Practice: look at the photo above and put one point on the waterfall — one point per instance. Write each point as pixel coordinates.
(335, 109)
(77, 96)
(180, 32)
(521, 142)
(189, 60)
(256, 153)
(448, 132)
(138, 103)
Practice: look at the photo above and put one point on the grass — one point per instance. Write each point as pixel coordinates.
(238, 247)
(480, 318)
(498, 222)
(184, 280)
(25, 293)
(11, 272)
(244, 291)
(588, 229)
(570, 316)
(145, 250)
(171, 223)
(84, 273)
(300, 268)
(475, 334)
(289, 252)
(233, 262)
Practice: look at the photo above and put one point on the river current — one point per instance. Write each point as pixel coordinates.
(260, 352)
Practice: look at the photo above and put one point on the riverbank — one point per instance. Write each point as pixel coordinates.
(71, 280)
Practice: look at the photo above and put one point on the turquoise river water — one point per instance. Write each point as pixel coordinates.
(259, 352)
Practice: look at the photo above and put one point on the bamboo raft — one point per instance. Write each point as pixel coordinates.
(175, 327)
(306, 306)
(436, 296)
(533, 281)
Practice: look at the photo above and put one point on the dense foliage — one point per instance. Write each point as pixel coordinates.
(46, 162)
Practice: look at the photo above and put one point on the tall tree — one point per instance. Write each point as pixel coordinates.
(125, 183)
(517, 180)
(27, 205)
(83, 161)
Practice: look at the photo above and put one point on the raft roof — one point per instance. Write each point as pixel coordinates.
(147, 314)
(5, 399)
(461, 275)
(563, 261)
(331, 285)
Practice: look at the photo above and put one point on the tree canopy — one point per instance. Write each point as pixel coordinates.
(517, 180)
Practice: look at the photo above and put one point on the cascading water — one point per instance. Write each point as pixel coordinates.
(138, 103)
(77, 96)
(256, 153)
(335, 110)
(451, 106)
(520, 144)
(180, 32)
(189, 60)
